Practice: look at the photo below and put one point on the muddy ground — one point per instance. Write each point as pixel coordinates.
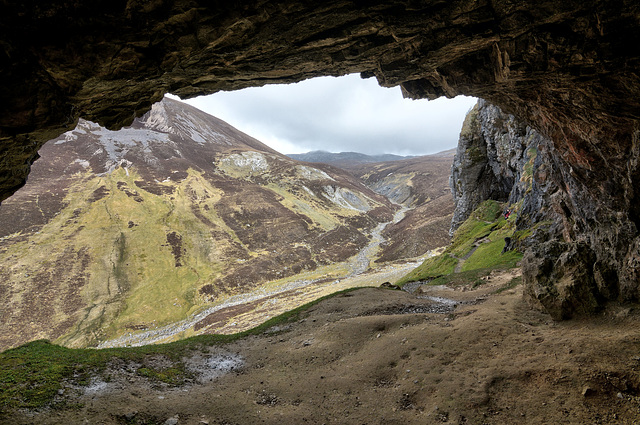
(376, 356)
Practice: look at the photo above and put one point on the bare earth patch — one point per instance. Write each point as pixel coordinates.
(375, 356)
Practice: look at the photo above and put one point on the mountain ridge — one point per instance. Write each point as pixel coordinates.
(129, 230)
(344, 158)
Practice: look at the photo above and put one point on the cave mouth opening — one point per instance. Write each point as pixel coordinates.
(340, 114)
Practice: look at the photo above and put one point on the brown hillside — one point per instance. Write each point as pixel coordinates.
(422, 185)
(121, 231)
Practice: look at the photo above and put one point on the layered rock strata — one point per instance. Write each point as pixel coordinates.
(571, 265)
(569, 69)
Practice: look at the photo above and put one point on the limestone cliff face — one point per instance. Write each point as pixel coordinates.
(493, 150)
(572, 264)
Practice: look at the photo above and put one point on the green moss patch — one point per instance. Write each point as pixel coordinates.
(432, 268)
(489, 255)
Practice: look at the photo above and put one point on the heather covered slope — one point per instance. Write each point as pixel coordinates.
(124, 231)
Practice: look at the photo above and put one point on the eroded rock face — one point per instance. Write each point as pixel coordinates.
(569, 69)
(490, 163)
(572, 265)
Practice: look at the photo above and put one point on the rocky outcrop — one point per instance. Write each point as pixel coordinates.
(568, 69)
(493, 150)
(570, 266)
(590, 252)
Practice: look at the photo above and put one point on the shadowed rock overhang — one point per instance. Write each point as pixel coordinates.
(570, 69)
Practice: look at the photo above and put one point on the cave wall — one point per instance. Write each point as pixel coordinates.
(568, 69)
(572, 266)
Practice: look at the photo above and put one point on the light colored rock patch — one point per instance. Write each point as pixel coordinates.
(210, 367)
(117, 144)
(176, 121)
(111, 165)
(249, 161)
(309, 191)
(310, 173)
(158, 118)
(347, 199)
(396, 187)
(200, 132)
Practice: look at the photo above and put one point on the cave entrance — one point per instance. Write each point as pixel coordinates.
(165, 210)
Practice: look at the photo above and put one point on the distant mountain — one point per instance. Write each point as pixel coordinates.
(343, 159)
(118, 231)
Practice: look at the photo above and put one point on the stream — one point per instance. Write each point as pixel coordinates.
(356, 265)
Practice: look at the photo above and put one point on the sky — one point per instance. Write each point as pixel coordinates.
(344, 114)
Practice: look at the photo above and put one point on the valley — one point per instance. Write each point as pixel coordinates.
(181, 225)
(238, 313)
(239, 290)
(531, 315)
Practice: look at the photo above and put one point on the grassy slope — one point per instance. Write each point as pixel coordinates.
(32, 374)
(132, 274)
(139, 257)
(486, 228)
(132, 281)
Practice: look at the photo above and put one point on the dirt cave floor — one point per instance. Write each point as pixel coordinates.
(376, 356)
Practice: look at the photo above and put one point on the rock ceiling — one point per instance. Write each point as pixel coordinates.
(568, 68)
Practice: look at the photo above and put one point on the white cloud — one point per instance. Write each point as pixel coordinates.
(340, 114)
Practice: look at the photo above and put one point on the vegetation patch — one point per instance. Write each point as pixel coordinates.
(477, 246)
(462, 278)
(31, 375)
(432, 268)
(490, 255)
(170, 375)
(485, 219)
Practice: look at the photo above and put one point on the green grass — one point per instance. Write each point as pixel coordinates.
(489, 255)
(433, 267)
(170, 375)
(480, 223)
(32, 374)
(462, 278)
(484, 230)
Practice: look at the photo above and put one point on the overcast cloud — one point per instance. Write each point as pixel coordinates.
(340, 114)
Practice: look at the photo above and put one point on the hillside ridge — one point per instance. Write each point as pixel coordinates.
(132, 231)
